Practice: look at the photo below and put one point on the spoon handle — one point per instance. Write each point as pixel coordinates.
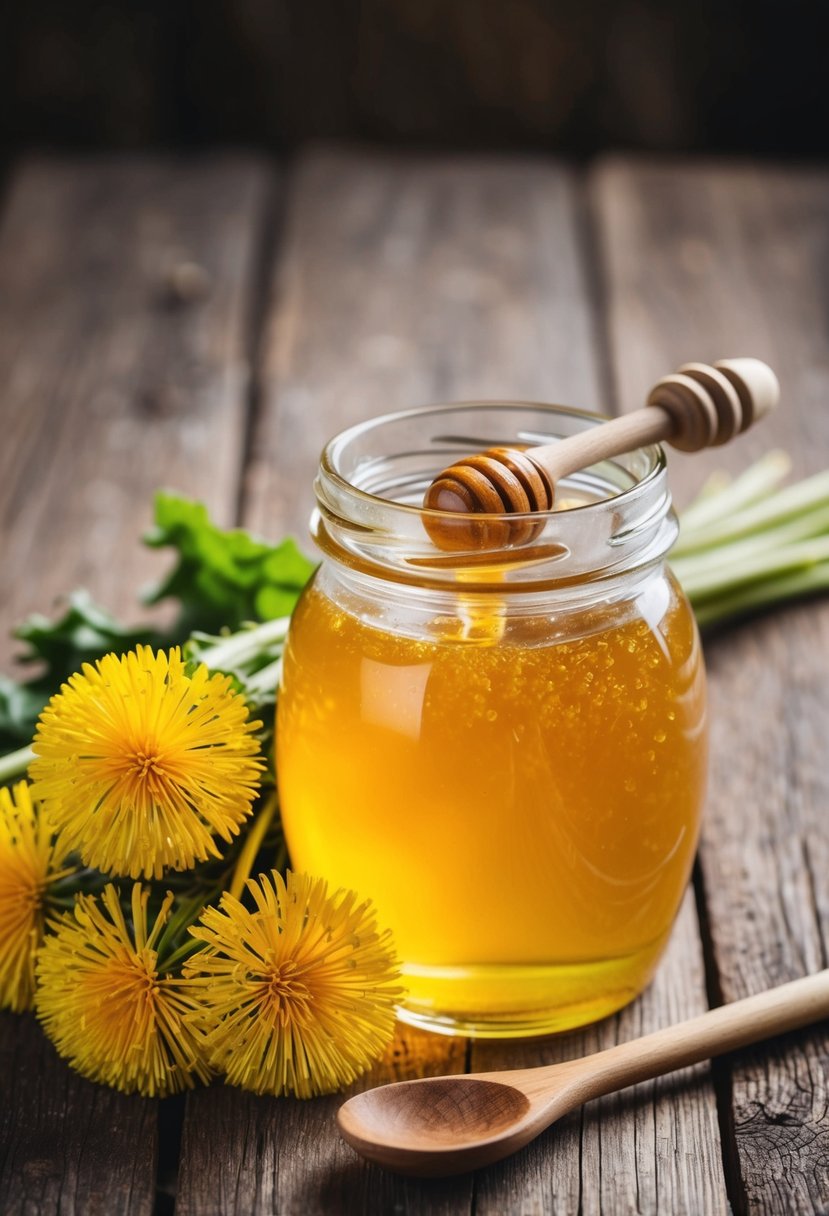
(737, 1024)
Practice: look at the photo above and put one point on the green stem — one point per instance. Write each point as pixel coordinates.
(705, 583)
(15, 763)
(181, 918)
(280, 862)
(251, 846)
(762, 595)
(79, 879)
(61, 903)
(733, 554)
(184, 950)
(261, 685)
(713, 504)
(246, 644)
(793, 500)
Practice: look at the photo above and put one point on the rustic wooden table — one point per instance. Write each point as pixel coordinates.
(340, 287)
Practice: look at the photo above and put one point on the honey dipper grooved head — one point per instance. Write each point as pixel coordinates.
(498, 481)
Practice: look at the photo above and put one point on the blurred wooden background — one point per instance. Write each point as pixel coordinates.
(570, 75)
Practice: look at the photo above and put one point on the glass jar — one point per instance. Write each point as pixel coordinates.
(506, 751)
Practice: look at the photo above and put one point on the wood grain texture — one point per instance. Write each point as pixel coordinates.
(398, 283)
(114, 381)
(122, 371)
(249, 1155)
(703, 262)
(402, 282)
(67, 1146)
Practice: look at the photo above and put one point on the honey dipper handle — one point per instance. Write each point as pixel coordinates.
(700, 406)
(622, 434)
(789, 1007)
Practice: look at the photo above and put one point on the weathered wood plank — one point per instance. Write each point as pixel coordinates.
(115, 379)
(604, 1161)
(704, 262)
(407, 281)
(249, 1155)
(123, 368)
(67, 1146)
(400, 283)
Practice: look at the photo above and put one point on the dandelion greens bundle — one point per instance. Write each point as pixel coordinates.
(147, 912)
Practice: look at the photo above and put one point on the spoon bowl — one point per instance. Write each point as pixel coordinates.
(455, 1108)
(439, 1125)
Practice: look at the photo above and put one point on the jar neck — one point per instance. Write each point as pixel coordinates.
(540, 617)
(618, 522)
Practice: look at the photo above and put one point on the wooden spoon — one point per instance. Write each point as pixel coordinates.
(700, 406)
(447, 1125)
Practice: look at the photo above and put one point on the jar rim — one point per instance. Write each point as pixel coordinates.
(373, 474)
(338, 441)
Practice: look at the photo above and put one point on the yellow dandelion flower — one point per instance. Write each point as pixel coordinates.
(104, 1005)
(139, 764)
(298, 994)
(30, 861)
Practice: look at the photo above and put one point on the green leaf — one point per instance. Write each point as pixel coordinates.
(20, 705)
(222, 579)
(81, 635)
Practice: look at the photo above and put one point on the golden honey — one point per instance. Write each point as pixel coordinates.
(514, 780)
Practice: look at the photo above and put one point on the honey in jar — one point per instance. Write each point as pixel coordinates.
(508, 755)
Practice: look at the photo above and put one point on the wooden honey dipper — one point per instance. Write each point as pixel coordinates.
(700, 406)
